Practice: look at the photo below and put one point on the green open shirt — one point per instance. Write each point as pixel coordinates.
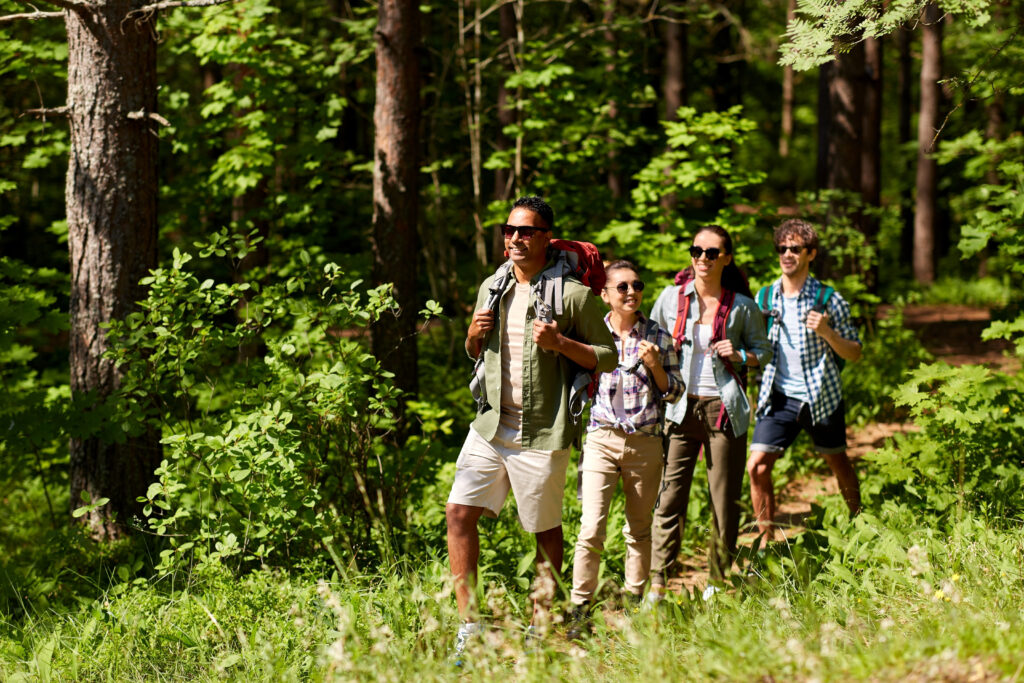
(547, 376)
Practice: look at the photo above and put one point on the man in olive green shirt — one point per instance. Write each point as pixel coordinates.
(522, 432)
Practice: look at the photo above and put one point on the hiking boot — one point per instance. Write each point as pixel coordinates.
(579, 622)
(653, 598)
(467, 631)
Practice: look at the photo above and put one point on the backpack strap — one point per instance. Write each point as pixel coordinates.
(722, 315)
(764, 302)
(821, 301)
(682, 313)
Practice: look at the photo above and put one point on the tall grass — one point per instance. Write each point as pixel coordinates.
(881, 598)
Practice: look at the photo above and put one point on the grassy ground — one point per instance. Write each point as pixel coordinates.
(883, 598)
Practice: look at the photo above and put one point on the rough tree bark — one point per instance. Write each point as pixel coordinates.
(788, 76)
(928, 118)
(871, 148)
(111, 196)
(675, 37)
(905, 111)
(396, 120)
(504, 179)
(846, 105)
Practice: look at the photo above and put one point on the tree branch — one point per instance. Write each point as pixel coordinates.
(147, 10)
(32, 16)
(143, 114)
(73, 5)
(43, 112)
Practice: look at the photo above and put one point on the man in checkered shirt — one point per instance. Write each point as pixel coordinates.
(801, 388)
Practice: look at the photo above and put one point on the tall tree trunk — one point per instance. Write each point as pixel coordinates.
(846, 104)
(112, 234)
(786, 134)
(871, 147)
(905, 113)
(824, 122)
(396, 120)
(504, 179)
(927, 170)
(675, 36)
(614, 175)
(674, 92)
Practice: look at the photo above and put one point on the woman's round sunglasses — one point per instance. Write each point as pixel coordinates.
(623, 287)
(711, 253)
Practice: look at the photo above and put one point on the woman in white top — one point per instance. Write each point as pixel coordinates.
(720, 333)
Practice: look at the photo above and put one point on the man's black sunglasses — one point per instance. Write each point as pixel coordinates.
(791, 248)
(525, 231)
(623, 287)
(712, 253)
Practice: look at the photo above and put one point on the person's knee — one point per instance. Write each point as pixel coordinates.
(759, 465)
(461, 518)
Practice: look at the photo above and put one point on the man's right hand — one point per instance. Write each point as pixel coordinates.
(479, 327)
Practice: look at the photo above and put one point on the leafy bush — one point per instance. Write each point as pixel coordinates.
(278, 456)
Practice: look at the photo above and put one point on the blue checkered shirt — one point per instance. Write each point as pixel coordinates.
(641, 400)
(824, 387)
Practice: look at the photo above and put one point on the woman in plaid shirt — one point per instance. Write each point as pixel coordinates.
(624, 438)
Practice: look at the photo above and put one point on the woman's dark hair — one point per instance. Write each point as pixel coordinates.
(732, 277)
(620, 264)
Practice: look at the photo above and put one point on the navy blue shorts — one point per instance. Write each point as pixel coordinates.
(776, 431)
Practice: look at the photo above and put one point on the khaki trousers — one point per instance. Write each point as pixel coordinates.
(725, 455)
(609, 454)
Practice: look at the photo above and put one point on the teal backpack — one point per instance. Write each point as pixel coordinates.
(820, 303)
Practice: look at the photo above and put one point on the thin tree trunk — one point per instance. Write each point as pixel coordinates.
(996, 116)
(871, 147)
(787, 94)
(846, 103)
(614, 175)
(504, 179)
(905, 113)
(675, 37)
(824, 123)
(472, 88)
(396, 119)
(674, 93)
(927, 169)
(111, 197)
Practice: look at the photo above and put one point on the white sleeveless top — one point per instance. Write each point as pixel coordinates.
(702, 372)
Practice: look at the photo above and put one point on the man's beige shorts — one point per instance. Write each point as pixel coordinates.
(486, 470)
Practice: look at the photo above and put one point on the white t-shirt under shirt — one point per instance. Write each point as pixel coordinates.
(702, 372)
(512, 334)
(789, 371)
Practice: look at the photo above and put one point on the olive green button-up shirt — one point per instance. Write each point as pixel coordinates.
(547, 376)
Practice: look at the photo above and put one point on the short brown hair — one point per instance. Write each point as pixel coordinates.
(797, 227)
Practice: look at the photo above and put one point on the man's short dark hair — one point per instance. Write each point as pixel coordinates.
(799, 228)
(539, 207)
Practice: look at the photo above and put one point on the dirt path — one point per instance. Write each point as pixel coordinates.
(951, 333)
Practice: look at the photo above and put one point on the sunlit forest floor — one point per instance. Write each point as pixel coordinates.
(903, 592)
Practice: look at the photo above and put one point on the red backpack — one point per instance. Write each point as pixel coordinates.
(586, 260)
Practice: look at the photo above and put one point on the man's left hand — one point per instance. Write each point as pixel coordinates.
(818, 323)
(546, 335)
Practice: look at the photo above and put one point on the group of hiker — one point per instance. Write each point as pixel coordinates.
(667, 388)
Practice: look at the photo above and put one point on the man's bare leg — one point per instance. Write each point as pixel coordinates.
(463, 551)
(847, 479)
(549, 562)
(762, 492)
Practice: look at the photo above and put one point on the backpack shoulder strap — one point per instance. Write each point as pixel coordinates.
(764, 302)
(682, 313)
(722, 315)
(824, 294)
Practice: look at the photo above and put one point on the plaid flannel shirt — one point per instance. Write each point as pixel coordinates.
(641, 399)
(824, 386)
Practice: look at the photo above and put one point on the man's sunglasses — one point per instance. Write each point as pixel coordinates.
(791, 248)
(711, 254)
(526, 232)
(623, 287)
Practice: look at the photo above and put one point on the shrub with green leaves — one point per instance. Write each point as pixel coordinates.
(271, 457)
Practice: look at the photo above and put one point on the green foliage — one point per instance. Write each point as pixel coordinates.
(281, 455)
(824, 28)
(702, 175)
(966, 454)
